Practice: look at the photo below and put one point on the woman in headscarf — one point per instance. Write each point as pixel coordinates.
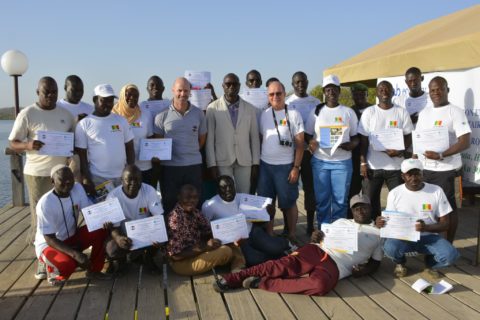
(140, 122)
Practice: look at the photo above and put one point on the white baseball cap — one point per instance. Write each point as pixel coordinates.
(410, 164)
(56, 168)
(331, 79)
(104, 90)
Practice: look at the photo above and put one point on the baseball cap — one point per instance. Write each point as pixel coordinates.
(410, 164)
(359, 198)
(331, 79)
(104, 90)
(56, 168)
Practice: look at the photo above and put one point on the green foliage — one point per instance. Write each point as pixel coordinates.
(345, 95)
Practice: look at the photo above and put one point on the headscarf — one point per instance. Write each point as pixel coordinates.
(122, 108)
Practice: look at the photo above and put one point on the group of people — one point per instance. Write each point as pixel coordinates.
(242, 149)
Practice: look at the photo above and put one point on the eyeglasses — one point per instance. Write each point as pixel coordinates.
(276, 94)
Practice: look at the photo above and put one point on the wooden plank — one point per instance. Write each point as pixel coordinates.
(15, 270)
(151, 301)
(334, 307)
(13, 250)
(39, 302)
(271, 304)
(95, 300)
(124, 292)
(242, 305)
(14, 219)
(210, 303)
(180, 297)
(5, 208)
(303, 307)
(362, 304)
(461, 277)
(13, 233)
(9, 307)
(10, 213)
(25, 284)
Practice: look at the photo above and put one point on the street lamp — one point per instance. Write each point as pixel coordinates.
(15, 63)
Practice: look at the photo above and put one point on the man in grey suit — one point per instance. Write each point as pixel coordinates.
(233, 144)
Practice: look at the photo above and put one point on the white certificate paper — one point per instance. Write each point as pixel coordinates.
(230, 229)
(56, 143)
(387, 139)
(107, 211)
(160, 148)
(331, 137)
(258, 97)
(435, 139)
(343, 238)
(146, 231)
(400, 225)
(200, 98)
(438, 288)
(198, 79)
(254, 207)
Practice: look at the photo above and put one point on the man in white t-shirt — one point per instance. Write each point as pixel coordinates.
(59, 241)
(441, 168)
(138, 200)
(73, 96)
(380, 167)
(253, 79)
(44, 115)
(332, 135)
(104, 142)
(304, 103)
(281, 131)
(430, 204)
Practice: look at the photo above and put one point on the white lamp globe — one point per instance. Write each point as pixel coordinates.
(14, 62)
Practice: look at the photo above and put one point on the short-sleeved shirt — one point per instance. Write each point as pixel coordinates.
(141, 129)
(413, 104)
(147, 203)
(369, 246)
(154, 106)
(338, 116)
(59, 216)
(217, 208)
(375, 118)
(186, 230)
(272, 152)
(184, 130)
(28, 122)
(303, 105)
(429, 203)
(104, 138)
(452, 118)
(76, 109)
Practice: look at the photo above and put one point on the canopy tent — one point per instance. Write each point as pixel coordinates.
(451, 42)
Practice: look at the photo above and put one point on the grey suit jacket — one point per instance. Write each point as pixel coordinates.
(225, 144)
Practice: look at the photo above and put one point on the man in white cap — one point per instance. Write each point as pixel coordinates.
(104, 142)
(429, 203)
(59, 241)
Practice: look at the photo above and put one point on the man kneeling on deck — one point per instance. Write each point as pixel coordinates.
(191, 248)
(59, 242)
(138, 200)
(312, 269)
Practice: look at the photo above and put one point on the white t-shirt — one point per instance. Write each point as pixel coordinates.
(455, 120)
(142, 128)
(369, 246)
(304, 105)
(28, 122)
(272, 151)
(104, 138)
(76, 109)
(375, 118)
(147, 203)
(217, 208)
(411, 104)
(338, 116)
(155, 106)
(429, 203)
(54, 214)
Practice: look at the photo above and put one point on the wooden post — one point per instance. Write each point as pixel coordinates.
(16, 176)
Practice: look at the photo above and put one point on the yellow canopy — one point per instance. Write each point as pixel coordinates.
(451, 42)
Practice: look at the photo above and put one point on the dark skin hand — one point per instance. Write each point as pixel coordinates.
(194, 251)
(254, 174)
(365, 268)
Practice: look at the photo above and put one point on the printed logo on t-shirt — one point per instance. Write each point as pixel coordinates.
(426, 207)
(136, 124)
(393, 124)
(194, 128)
(338, 120)
(115, 127)
(438, 123)
(143, 210)
(283, 122)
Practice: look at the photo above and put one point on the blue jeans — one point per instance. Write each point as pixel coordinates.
(439, 252)
(331, 182)
(261, 246)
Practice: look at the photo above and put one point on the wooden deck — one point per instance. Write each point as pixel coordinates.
(141, 294)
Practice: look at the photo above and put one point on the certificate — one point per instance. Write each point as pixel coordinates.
(258, 97)
(146, 231)
(387, 139)
(343, 238)
(198, 79)
(254, 207)
(435, 139)
(160, 148)
(56, 143)
(200, 98)
(230, 229)
(331, 137)
(107, 211)
(399, 225)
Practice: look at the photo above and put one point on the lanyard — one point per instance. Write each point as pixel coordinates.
(276, 124)
(63, 214)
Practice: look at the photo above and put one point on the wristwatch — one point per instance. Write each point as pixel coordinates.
(298, 167)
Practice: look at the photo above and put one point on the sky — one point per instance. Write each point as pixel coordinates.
(120, 42)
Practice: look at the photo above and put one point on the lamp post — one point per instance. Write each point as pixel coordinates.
(15, 63)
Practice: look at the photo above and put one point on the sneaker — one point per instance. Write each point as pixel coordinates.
(400, 270)
(251, 282)
(220, 285)
(291, 248)
(41, 273)
(56, 280)
(98, 276)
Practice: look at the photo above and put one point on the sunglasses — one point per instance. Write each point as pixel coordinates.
(276, 94)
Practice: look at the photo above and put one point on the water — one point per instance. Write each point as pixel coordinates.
(5, 182)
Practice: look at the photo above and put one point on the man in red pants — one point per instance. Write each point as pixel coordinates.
(313, 270)
(59, 242)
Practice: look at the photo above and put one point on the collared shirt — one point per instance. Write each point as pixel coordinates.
(186, 230)
(233, 110)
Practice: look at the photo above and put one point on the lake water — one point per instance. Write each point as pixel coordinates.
(5, 182)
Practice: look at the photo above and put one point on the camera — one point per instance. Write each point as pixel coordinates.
(286, 143)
